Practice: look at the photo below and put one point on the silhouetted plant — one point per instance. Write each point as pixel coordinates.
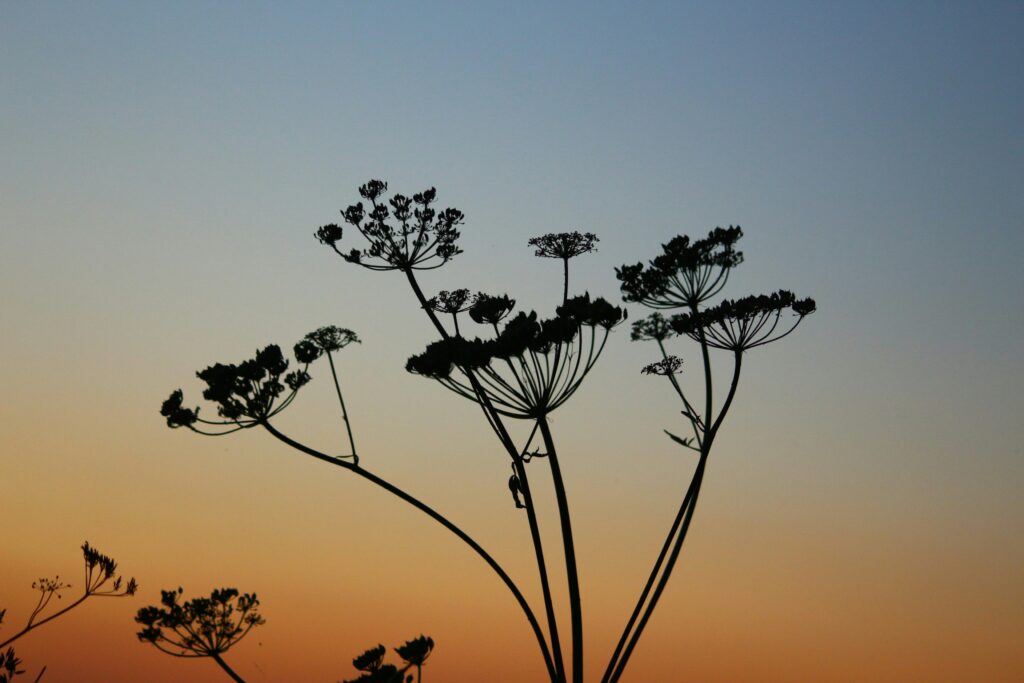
(523, 367)
(201, 627)
(100, 580)
(371, 663)
(686, 275)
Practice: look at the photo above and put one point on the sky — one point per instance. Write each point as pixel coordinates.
(163, 168)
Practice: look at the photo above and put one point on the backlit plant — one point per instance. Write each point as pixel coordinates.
(523, 367)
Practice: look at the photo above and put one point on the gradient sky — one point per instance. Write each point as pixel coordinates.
(163, 167)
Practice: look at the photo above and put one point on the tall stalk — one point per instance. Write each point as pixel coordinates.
(439, 518)
(575, 603)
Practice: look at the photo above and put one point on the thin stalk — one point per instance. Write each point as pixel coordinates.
(224, 665)
(695, 487)
(442, 520)
(565, 288)
(344, 413)
(37, 624)
(575, 606)
(557, 668)
(666, 546)
(620, 667)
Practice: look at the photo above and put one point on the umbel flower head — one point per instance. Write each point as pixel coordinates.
(201, 627)
(490, 310)
(323, 340)
(453, 302)
(564, 245)
(531, 367)
(654, 327)
(416, 651)
(687, 272)
(746, 323)
(257, 389)
(669, 365)
(402, 233)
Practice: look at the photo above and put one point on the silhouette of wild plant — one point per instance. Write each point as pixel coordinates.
(100, 579)
(201, 627)
(521, 367)
(371, 663)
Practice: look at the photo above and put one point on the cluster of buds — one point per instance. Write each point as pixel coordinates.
(201, 627)
(403, 233)
(686, 273)
(531, 366)
(253, 391)
(742, 324)
(371, 663)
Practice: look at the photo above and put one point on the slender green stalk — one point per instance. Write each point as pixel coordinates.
(575, 606)
(441, 519)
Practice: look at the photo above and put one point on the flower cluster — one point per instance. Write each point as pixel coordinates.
(686, 273)
(669, 365)
(249, 392)
(746, 323)
(654, 327)
(99, 569)
(323, 340)
(201, 627)
(490, 310)
(545, 359)
(404, 233)
(564, 245)
(414, 653)
(453, 302)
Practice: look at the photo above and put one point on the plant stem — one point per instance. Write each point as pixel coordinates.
(557, 668)
(344, 413)
(37, 624)
(565, 286)
(441, 519)
(692, 493)
(575, 606)
(224, 665)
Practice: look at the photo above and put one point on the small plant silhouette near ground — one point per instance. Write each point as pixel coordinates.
(100, 579)
(523, 367)
(200, 627)
(414, 654)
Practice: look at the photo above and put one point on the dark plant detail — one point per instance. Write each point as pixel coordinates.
(524, 367)
(654, 327)
(686, 272)
(100, 580)
(530, 367)
(414, 653)
(452, 303)
(410, 235)
(685, 276)
(564, 246)
(200, 627)
(669, 365)
(491, 310)
(744, 323)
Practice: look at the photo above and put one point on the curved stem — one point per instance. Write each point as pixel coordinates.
(224, 665)
(663, 581)
(575, 606)
(556, 669)
(438, 517)
(692, 493)
(666, 546)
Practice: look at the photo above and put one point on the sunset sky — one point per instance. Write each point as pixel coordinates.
(163, 168)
